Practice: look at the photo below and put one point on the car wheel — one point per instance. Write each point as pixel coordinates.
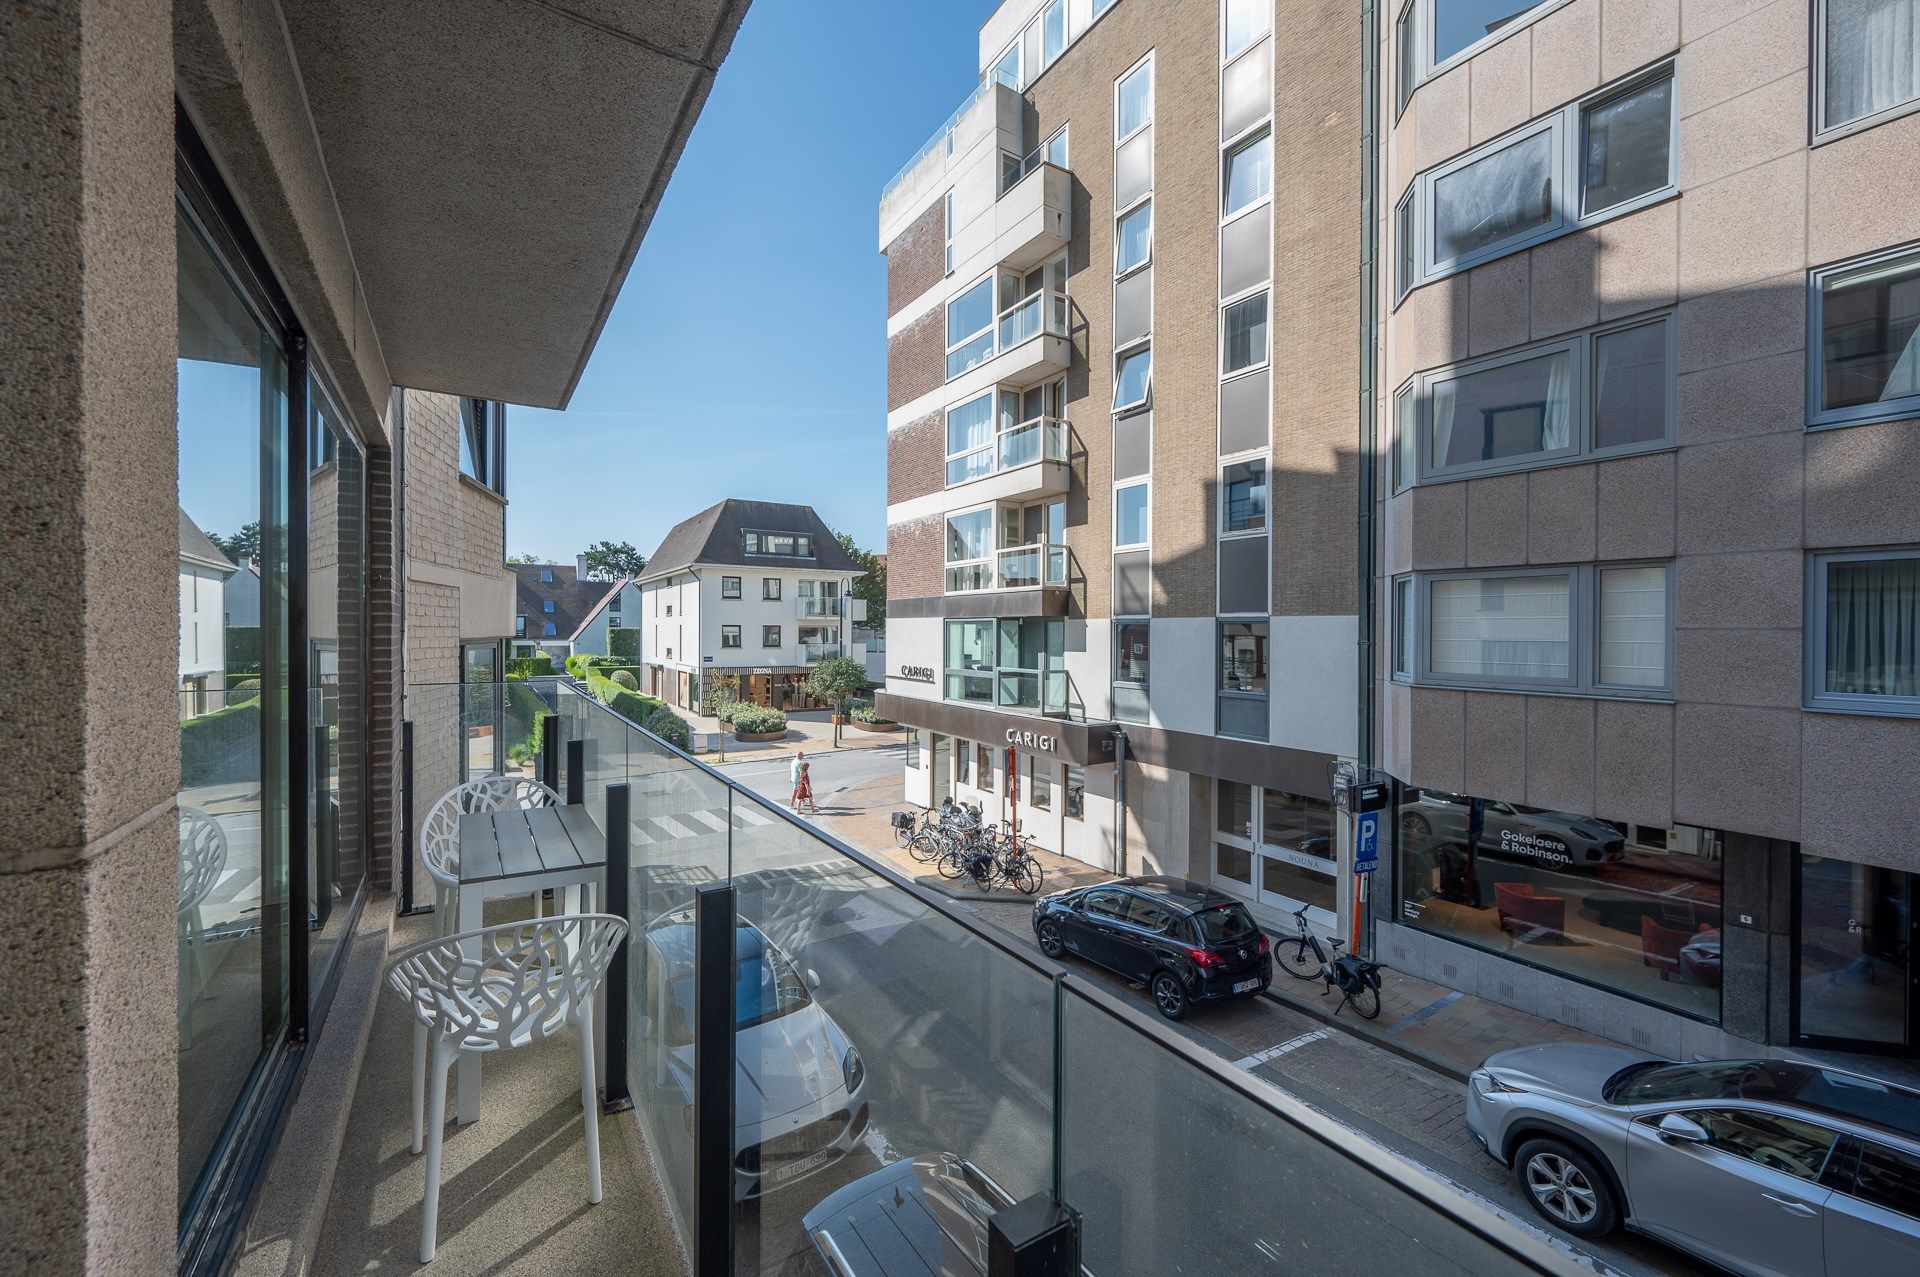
(1169, 996)
(1414, 828)
(1050, 942)
(1565, 1186)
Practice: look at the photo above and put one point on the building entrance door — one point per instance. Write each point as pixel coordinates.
(1856, 987)
(942, 769)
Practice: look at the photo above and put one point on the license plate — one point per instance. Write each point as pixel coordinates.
(794, 1170)
(1246, 986)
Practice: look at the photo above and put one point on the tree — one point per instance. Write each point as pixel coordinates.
(835, 679)
(524, 558)
(872, 587)
(243, 546)
(608, 559)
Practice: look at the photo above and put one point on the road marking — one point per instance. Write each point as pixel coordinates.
(1438, 1004)
(1290, 1045)
(708, 818)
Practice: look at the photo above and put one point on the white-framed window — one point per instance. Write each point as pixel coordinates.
(1243, 22)
(1007, 69)
(1054, 150)
(1053, 32)
(1406, 234)
(1596, 630)
(1133, 101)
(1604, 392)
(1248, 176)
(1132, 377)
(970, 327)
(970, 550)
(947, 207)
(1863, 621)
(1130, 515)
(1864, 346)
(1866, 63)
(1406, 59)
(1133, 239)
(971, 427)
(1595, 159)
(1244, 334)
(729, 636)
(1243, 496)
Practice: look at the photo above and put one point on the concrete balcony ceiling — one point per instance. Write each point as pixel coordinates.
(496, 164)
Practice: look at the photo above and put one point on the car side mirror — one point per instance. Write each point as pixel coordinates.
(813, 978)
(1676, 1128)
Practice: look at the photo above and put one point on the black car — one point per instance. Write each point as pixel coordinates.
(1185, 941)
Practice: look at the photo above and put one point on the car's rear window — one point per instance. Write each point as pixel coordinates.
(1223, 924)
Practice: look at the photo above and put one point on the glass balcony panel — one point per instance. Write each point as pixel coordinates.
(1054, 692)
(1021, 322)
(1020, 446)
(1243, 716)
(1020, 569)
(1019, 689)
(973, 465)
(970, 687)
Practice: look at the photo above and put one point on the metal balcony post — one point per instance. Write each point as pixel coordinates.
(713, 1063)
(615, 1096)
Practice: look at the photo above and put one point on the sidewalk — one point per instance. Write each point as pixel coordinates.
(861, 815)
(810, 730)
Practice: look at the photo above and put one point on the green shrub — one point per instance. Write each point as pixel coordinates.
(723, 710)
(626, 679)
(525, 727)
(864, 712)
(669, 726)
(753, 719)
(623, 642)
(221, 747)
(539, 665)
(641, 710)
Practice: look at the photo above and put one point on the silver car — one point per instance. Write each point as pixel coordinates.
(1759, 1166)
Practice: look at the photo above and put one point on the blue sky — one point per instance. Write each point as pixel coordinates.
(746, 355)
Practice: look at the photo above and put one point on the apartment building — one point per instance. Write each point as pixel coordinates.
(1648, 291)
(761, 591)
(561, 609)
(1123, 457)
(221, 263)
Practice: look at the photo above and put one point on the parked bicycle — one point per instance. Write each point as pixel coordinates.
(1304, 957)
(958, 846)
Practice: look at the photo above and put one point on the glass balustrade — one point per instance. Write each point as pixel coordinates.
(888, 1046)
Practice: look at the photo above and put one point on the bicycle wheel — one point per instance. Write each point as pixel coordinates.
(1027, 876)
(1366, 1002)
(952, 862)
(1297, 959)
(923, 846)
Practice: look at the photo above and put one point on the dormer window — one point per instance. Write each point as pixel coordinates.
(787, 545)
(546, 576)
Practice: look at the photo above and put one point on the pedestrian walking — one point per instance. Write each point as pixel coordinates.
(793, 780)
(803, 790)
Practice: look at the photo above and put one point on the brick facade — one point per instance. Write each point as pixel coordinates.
(917, 258)
(916, 459)
(917, 359)
(916, 559)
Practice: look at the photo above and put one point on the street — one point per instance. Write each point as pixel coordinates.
(957, 1041)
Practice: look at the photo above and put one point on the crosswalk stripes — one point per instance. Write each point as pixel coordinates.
(699, 822)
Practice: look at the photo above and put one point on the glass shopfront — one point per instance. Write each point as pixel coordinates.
(1276, 848)
(1854, 944)
(1632, 909)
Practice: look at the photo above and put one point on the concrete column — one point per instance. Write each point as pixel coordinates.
(89, 723)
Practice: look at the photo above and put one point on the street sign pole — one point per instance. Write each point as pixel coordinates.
(1013, 792)
(1366, 859)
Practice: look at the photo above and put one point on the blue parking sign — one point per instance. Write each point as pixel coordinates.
(1366, 842)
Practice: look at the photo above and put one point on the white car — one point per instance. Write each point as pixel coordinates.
(800, 1087)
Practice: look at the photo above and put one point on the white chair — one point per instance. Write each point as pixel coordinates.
(440, 833)
(203, 858)
(493, 989)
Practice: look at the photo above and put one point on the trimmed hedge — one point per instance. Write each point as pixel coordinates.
(623, 644)
(537, 666)
(525, 728)
(754, 719)
(654, 715)
(221, 747)
(864, 712)
(626, 679)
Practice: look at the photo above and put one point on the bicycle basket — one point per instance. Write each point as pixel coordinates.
(903, 820)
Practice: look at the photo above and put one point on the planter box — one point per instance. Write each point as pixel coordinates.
(859, 726)
(750, 738)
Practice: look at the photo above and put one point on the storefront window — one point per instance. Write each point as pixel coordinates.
(1855, 933)
(985, 763)
(1630, 908)
(1277, 847)
(1076, 793)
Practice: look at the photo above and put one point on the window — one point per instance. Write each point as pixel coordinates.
(1076, 791)
(969, 661)
(546, 576)
(1233, 808)
(1242, 700)
(1867, 317)
(729, 587)
(769, 588)
(1133, 102)
(1887, 1178)
(1132, 669)
(913, 749)
(962, 763)
(1130, 515)
(1243, 496)
(1633, 910)
(1101, 6)
(1603, 392)
(1132, 378)
(1625, 145)
(1403, 628)
(1249, 173)
(1459, 25)
(1054, 151)
(971, 428)
(520, 626)
(1111, 905)
(1039, 786)
(947, 205)
(970, 328)
(983, 768)
(548, 631)
(483, 443)
(546, 606)
(669, 609)
(1148, 915)
(1007, 69)
(1605, 630)
(1773, 1140)
(1407, 241)
(769, 636)
(1244, 337)
(1012, 663)
(1246, 21)
(1133, 239)
(1053, 32)
(1864, 651)
(1406, 55)
(970, 550)
(1615, 149)
(786, 545)
(729, 636)
(1869, 64)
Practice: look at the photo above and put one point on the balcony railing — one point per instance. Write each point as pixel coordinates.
(955, 1058)
(1017, 324)
(1037, 439)
(1042, 564)
(814, 653)
(943, 137)
(808, 605)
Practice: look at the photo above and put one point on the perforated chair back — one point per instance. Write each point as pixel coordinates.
(440, 831)
(203, 856)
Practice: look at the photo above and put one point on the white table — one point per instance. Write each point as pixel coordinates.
(517, 852)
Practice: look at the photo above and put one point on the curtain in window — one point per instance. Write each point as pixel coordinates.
(1503, 627)
(970, 425)
(1873, 627)
(1633, 627)
(1873, 56)
(1556, 429)
(1445, 397)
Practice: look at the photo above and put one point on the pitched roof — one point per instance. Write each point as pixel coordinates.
(197, 547)
(716, 536)
(574, 601)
